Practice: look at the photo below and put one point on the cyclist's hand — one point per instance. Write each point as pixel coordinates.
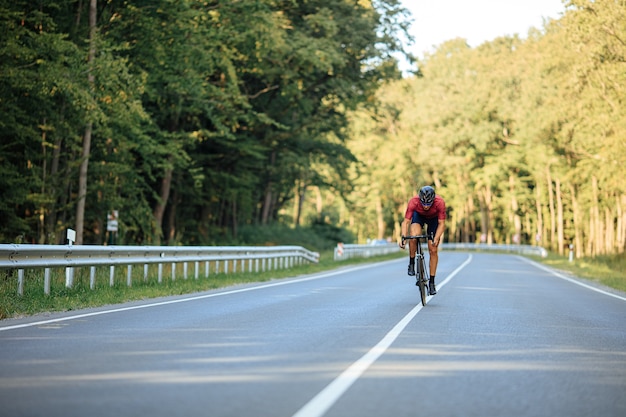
(436, 241)
(401, 244)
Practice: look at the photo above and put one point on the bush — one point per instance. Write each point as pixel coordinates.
(318, 237)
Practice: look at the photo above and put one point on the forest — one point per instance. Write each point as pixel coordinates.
(197, 121)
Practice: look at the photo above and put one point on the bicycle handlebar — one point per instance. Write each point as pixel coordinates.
(415, 237)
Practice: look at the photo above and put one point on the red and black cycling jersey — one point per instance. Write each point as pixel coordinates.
(438, 209)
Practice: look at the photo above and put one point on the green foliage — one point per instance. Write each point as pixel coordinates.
(523, 138)
(205, 116)
(319, 237)
(212, 117)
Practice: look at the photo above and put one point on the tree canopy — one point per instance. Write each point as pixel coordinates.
(204, 115)
(207, 117)
(524, 138)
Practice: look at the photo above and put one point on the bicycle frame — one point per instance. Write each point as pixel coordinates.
(421, 272)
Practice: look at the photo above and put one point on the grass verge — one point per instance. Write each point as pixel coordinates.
(609, 271)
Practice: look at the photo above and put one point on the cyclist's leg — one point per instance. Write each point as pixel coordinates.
(414, 229)
(434, 254)
(434, 258)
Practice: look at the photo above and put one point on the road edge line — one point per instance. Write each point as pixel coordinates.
(582, 284)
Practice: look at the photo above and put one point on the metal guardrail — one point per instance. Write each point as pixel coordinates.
(521, 249)
(346, 251)
(25, 257)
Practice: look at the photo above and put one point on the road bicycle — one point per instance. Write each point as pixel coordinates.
(421, 272)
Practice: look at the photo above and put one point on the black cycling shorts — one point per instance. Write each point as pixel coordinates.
(431, 224)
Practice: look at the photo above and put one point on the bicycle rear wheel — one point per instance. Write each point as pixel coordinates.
(421, 279)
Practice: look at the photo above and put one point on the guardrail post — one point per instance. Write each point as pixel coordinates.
(92, 277)
(46, 281)
(173, 271)
(111, 275)
(129, 276)
(160, 273)
(145, 272)
(69, 272)
(206, 269)
(20, 282)
(185, 270)
(196, 270)
(69, 277)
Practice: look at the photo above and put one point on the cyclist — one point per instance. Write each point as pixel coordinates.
(428, 209)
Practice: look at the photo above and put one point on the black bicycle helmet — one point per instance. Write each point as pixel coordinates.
(427, 195)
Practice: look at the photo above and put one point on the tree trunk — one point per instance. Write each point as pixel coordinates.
(559, 210)
(319, 203)
(380, 218)
(517, 221)
(295, 216)
(159, 209)
(621, 223)
(43, 207)
(267, 202)
(595, 219)
(486, 215)
(609, 235)
(552, 211)
(540, 232)
(578, 248)
(436, 180)
(299, 201)
(470, 232)
(82, 173)
(235, 218)
(592, 235)
(172, 208)
(55, 185)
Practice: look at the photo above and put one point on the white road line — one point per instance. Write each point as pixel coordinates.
(559, 275)
(325, 399)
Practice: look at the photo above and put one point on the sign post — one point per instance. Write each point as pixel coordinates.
(112, 226)
(339, 249)
(69, 271)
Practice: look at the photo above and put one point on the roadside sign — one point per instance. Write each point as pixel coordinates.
(112, 217)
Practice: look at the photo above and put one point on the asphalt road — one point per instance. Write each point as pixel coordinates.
(504, 337)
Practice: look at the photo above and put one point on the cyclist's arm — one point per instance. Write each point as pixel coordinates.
(404, 228)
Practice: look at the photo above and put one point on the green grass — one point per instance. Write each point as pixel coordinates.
(605, 270)
(609, 271)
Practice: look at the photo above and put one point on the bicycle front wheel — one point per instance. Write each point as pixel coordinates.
(421, 279)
